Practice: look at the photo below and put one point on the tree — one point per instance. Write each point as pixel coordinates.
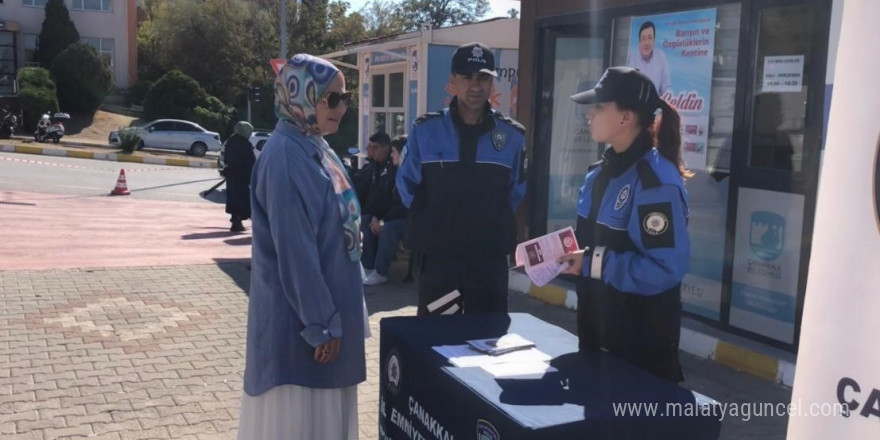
(222, 44)
(83, 78)
(174, 96)
(383, 18)
(513, 12)
(442, 13)
(57, 34)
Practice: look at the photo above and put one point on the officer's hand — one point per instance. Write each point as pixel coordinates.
(575, 261)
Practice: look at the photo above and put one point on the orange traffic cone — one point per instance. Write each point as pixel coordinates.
(121, 187)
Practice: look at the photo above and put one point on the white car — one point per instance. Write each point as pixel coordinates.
(175, 134)
(258, 140)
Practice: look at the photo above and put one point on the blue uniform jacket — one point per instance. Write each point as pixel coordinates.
(638, 242)
(463, 183)
(304, 287)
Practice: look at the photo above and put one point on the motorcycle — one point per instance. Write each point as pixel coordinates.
(51, 127)
(8, 123)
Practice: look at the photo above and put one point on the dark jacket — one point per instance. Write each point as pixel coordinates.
(239, 164)
(378, 199)
(463, 183)
(398, 210)
(360, 179)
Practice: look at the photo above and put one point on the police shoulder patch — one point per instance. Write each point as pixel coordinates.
(510, 121)
(656, 224)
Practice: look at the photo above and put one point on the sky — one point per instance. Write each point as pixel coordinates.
(498, 8)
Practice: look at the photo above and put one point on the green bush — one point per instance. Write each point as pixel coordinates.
(138, 91)
(30, 77)
(175, 95)
(36, 94)
(83, 77)
(218, 121)
(128, 138)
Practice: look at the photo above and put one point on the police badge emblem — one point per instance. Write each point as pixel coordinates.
(499, 140)
(485, 431)
(393, 373)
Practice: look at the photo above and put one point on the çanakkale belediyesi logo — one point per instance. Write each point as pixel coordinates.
(767, 235)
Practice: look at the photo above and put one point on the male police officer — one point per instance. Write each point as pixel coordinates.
(462, 176)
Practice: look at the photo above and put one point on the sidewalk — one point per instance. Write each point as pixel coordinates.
(87, 149)
(158, 352)
(697, 338)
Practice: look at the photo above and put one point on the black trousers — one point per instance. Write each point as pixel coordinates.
(644, 330)
(481, 283)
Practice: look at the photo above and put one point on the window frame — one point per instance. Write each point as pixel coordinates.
(83, 7)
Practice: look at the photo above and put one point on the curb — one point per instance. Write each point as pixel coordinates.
(114, 157)
(693, 342)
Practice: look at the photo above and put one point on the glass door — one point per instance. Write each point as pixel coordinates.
(775, 169)
(574, 59)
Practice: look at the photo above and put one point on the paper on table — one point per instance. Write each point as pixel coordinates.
(465, 356)
(527, 369)
(538, 256)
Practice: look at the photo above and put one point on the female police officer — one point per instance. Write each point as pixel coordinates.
(632, 216)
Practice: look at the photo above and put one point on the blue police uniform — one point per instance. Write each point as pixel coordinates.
(632, 215)
(462, 184)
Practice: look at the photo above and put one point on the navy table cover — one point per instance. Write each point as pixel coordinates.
(423, 396)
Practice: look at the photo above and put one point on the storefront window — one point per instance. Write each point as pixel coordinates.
(378, 87)
(701, 48)
(780, 100)
(395, 90)
(387, 110)
(578, 66)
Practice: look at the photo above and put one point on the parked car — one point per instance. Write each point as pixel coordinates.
(175, 134)
(258, 139)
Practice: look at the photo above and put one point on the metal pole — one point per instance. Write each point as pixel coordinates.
(249, 103)
(283, 29)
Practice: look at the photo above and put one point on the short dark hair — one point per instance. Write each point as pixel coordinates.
(381, 138)
(398, 143)
(645, 25)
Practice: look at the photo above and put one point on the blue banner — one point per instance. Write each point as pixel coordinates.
(676, 51)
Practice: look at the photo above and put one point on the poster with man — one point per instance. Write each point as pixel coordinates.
(676, 51)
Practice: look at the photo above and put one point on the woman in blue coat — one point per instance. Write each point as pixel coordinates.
(632, 218)
(306, 315)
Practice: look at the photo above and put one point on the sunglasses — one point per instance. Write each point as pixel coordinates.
(334, 98)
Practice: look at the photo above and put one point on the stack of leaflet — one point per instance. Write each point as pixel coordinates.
(508, 356)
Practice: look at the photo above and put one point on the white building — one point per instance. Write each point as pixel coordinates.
(108, 25)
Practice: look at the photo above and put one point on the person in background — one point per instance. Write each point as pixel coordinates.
(380, 244)
(462, 177)
(239, 161)
(306, 315)
(632, 217)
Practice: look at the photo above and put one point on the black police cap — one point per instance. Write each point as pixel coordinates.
(473, 58)
(626, 86)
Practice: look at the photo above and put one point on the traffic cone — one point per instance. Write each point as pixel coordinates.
(121, 187)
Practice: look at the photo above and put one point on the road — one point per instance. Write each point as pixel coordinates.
(56, 214)
(85, 177)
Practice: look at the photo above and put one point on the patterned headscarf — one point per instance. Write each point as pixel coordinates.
(298, 87)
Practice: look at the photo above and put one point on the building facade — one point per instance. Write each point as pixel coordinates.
(108, 25)
(752, 80)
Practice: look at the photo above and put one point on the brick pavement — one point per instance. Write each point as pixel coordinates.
(158, 353)
(135, 353)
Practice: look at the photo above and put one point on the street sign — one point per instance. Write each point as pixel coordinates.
(276, 64)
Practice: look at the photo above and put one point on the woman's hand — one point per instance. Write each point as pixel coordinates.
(575, 262)
(328, 351)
